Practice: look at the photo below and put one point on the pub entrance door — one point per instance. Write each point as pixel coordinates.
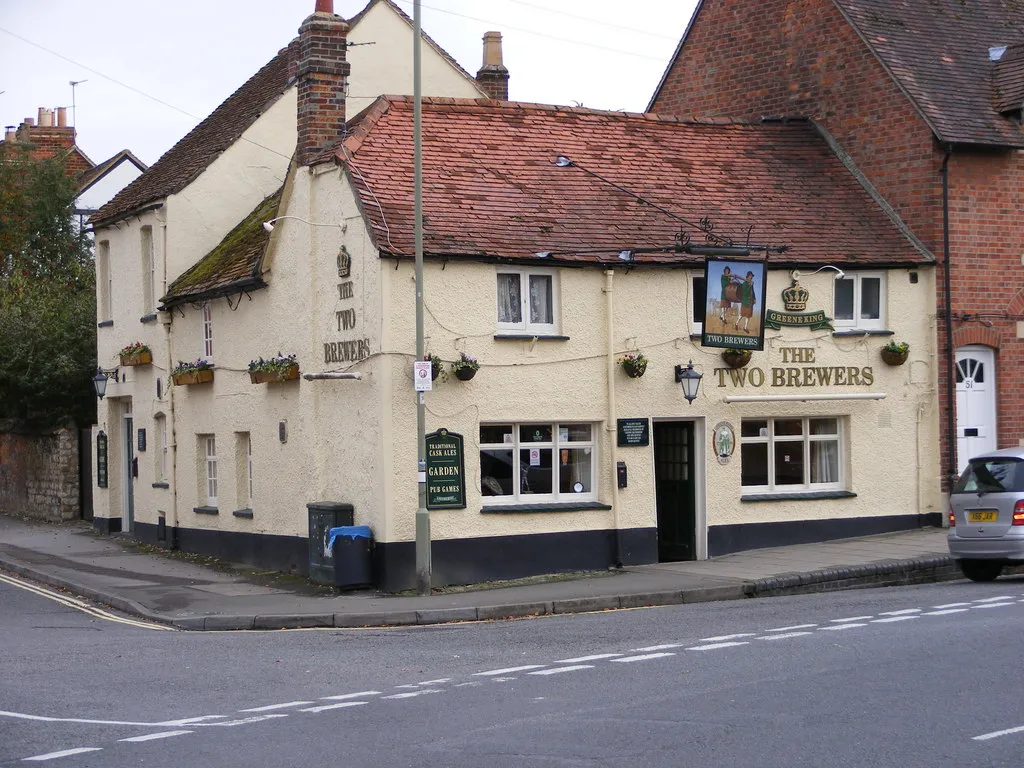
(675, 490)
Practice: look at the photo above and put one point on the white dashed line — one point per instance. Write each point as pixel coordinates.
(62, 753)
(272, 707)
(852, 618)
(650, 648)
(997, 734)
(950, 605)
(838, 627)
(892, 619)
(790, 629)
(726, 637)
(784, 636)
(505, 671)
(595, 657)
(993, 599)
(716, 646)
(339, 705)
(946, 612)
(645, 657)
(993, 605)
(560, 670)
(439, 681)
(154, 736)
(344, 696)
(412, 694)
(904, 612)
(243, 721)
(472, 683)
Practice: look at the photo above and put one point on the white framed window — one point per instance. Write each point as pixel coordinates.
(792, 454)
(699, 300)
(243, 468)
(148, 269)
(523, 463)
(209, 444)
(161, 448)
(103, 281)
(528, 301)
(860, 301)
(207, 333)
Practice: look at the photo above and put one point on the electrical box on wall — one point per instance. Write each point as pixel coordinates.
(282, 431)
(620, 473)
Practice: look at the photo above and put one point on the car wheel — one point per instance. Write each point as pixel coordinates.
(981, 570)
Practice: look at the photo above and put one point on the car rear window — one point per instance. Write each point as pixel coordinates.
(992, 476)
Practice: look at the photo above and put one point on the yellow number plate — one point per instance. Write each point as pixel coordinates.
(983, 516)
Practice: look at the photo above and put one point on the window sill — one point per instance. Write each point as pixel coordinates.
(528, 337)
(205, 510)
(804, 496)
(105, 324)
(148, 318)
(161, 485)
(505, 509)
(861, 332)
(246, 513)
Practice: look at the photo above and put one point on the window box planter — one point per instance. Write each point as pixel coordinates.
(137, 358)
(186, 378)
(289, 373)
(736, 358)
(894, 357)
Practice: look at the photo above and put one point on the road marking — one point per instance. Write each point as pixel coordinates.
(272, 707)
(784, 636)
(945, 612)
(152, 736)
(993, 599)
(892, 619)
(852, 618)
(714, 646)
(63, 753)
(560, 670)
(472, 683)
(510, 669)
(645, 657)
(243, 721)
(595, 657)
(900, 613)
(344, 696)
(439, 681)
(997, 734)
(993, 605)
(950, 605)
(164, 724)
(726, 637)
(790, 629)
(838, 627)
(341, 705)
(411, 694)
(650, 648)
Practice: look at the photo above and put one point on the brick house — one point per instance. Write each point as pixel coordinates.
(926, 98)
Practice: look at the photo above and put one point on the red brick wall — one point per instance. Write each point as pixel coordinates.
(747, 58)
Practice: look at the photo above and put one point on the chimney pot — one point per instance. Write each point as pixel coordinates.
(321, 72)
(324, 6)
(492, 49)
(493, 77)
(45, 118)
(10, 134)
(62, 117)
(30, 122)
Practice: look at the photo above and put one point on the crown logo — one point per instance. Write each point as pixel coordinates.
(795, 297)
(344, 262)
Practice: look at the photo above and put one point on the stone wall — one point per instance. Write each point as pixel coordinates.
(39, 475)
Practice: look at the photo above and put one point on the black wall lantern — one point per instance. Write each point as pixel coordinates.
(690, 379)
(99, 381)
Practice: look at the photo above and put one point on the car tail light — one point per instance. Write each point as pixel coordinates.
(952, 517)
(1018, 513)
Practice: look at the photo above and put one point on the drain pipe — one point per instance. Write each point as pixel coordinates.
(609, 300)
(950, 351)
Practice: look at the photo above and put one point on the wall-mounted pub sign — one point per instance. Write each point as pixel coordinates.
(446, 471)
(734, 312)
(794, 299)
(101, 460)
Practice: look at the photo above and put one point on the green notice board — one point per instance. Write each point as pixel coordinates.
(446, 471)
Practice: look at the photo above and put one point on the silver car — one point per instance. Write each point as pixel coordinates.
(986, 514)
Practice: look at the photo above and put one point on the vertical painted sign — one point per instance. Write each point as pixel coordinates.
(446, 471)
(734, 312)
(101, 460)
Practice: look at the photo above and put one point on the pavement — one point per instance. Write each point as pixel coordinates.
(195, 593)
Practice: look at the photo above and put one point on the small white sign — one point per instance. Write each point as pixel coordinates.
(421, 375)
(535, 457)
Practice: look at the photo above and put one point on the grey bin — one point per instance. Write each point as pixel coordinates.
(323, 516)
(352, 547)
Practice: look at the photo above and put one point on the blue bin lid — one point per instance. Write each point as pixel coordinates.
(348, 532)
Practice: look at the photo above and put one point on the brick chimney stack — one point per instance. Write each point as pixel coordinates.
(493, 77)
(322, 77)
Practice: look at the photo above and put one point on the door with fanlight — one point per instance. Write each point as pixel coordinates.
(975, 402)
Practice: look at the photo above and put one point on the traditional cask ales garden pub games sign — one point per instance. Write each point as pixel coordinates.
(734, 313)
(446, 471)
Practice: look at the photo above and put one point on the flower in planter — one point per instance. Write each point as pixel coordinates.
(634, 364)
(277, 364)
(135, 348)
(436, 366)
(897, 347)
(197, 365)
(465, 367)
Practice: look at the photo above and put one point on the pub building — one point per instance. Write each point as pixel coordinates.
(559, 242)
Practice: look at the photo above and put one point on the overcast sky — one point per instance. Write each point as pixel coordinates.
(152, 70)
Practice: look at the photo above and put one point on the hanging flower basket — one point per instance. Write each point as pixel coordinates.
(635, 365)
(736, 358)
(436, 366)
(465, 367)
(198, 376)
(291, 373)
(136, 354)
(895, 353)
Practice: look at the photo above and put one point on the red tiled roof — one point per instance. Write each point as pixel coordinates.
(938, 53)
(491, 186)
(182, 163)
(1009, 80)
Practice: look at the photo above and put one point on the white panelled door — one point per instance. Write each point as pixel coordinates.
(975, 402)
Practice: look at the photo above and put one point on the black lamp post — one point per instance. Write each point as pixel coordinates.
(690, 379)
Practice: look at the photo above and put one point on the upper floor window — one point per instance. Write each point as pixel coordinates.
(699, 298)
(860, 301)
(207, 332)
(103, 281)
(791, 454)
(148, 270)
(527, 301)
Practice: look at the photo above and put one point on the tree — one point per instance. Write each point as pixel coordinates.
(47, 297)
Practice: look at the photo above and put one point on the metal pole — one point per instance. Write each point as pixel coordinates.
(423, 565)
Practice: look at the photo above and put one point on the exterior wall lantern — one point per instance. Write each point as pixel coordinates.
(690, 379)
(99, 381)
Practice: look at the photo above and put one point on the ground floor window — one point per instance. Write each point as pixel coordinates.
(791, 454)
(538, 462)
(208, 448)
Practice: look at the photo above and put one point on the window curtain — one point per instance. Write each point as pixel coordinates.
(825, 464)
(541, 310)
(510, 300)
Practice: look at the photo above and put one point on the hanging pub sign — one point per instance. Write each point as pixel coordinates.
(794, 299)
(446, 471)
(734, 312)
(101, 460)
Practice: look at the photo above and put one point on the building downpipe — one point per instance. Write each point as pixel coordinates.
(950, 349)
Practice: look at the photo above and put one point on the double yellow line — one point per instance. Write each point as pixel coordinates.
(80, 605)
